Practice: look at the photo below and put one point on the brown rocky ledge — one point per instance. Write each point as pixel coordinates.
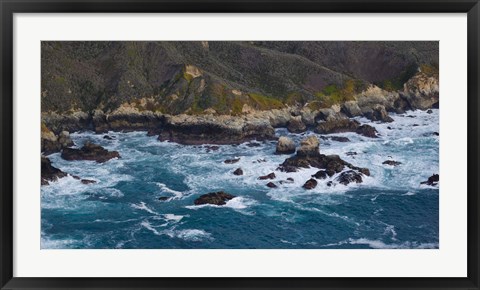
(210, 129)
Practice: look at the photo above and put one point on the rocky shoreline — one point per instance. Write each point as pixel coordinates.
(374, 103)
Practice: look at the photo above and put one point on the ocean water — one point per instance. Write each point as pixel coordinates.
(389, 210)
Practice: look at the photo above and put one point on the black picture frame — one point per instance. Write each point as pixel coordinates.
(9, 7)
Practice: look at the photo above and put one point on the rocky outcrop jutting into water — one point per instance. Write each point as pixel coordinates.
(89, 151)
(308, 155)
(209, 129)
(49, 173)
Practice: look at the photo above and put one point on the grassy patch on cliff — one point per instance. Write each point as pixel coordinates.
(397, 83)
(263, 102)
(333, 94)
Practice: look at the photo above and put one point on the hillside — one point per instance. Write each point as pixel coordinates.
(222, 77)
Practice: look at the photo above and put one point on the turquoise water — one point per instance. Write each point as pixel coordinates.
(390, 209)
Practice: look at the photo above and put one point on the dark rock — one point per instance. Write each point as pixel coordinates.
(261, 160)
(285, 145)
(48, 172)
(401, 105)
(330, 183)
(89, 151)
(432, 180)
(295, 125)
(287, 168)
(254, 144)
(209, 129)
(392, 162)
(238, 171)
(339, 139)
(268, 176)
(367, 131)
(415, 125)
(212, 148)
(321, 174)
(436, 133)
(331, 163)
(389, 128)
(163, 198)
(429, 111)
(152, 132)
(378, 113)
(310, 184)
(337, 126)
(352, 153)
(272, 185)
(87, 181)
(364, 171)
(217, 198)
(231, 161)
(107, 137)
(349, 176)
(346, 125)
(288, 181)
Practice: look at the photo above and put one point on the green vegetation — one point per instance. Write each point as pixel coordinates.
(429, 70)
(332, 94)
(264, 102)
(397, 83)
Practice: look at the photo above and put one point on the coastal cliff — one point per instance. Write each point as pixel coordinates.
(229, 92)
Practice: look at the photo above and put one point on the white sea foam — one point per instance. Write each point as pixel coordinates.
(164, 188)
(377, 244)
(143, 206)
(173, 217)
(409, 193)
(194, 235)
(47, 243)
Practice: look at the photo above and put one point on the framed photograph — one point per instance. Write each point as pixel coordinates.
(239, 145)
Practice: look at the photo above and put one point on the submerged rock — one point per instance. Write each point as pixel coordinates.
(392, 162)
(108, 137)
(164, 198)
(321, 174)
(238, 171)
(339, 139)
(432, 180)
(268, 176)
(310, 184)
(89, 151)
(231, 161)
(216, 198)
(349, 176)
(285, 145)
(48, 172)
(272, 185)
(87, 181)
